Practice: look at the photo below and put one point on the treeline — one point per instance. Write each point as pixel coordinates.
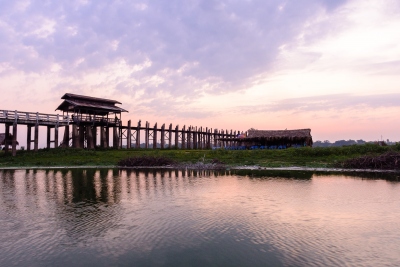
(350, 142)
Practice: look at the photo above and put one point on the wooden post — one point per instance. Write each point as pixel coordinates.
(103, 142)
(189, 139)
(6, 140)
(146, 137)
(48, 136)
(155, 136)
(89, 137)
(215, 137)
(36, 141)
(14, 140)
(115, 137)
(183, 145)
(119, 136)
(138, 135)
(163, 136)
(177, 136)
(66, 137)
(81, 131)
(170, 136)
(56, 136)
(205, 136)
(75, 136)
(194, 141)
(94, 135)
(209, 138)
(107, 137)
(129, 136)
(29, 137)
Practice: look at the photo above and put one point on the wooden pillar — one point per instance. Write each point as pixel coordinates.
(103, 141)
(119, 135)
(189, 138)
(183, 144)
(115, 137)
(66, 136)
(170, 136)
(36, 140)
(129, 136)
(28, 137)
(48, 136)
(75, 136)
(209, 138)
(89, 137)
(94, 135)
(6, 139)
(177, 136)
(215, 137)
(194, 141)
(56, 136)
(163, 136)
(138, 135)
(205, 139)
(107, 137)
(155, 136)
(14, 140)
(81, 130)
(146, 135)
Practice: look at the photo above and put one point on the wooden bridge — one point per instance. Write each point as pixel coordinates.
(87, 128)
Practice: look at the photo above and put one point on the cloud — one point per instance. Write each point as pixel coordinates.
(190, 46)
(332, 103)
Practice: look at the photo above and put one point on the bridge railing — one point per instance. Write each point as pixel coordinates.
(32, 116)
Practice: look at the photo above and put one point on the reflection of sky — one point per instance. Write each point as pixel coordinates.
(330, 65)
(107, 216)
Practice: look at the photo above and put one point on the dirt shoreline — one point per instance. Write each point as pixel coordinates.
(205, 167)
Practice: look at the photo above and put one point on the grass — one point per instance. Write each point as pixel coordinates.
(302, 157)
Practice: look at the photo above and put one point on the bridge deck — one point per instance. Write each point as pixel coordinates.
(32, 118)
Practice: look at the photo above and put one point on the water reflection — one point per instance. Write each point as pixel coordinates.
(170, 217)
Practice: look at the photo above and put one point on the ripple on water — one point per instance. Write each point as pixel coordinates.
(177, 220)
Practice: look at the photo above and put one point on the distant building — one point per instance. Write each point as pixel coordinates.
(273, 139)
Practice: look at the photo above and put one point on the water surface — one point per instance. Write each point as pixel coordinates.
(173, 218)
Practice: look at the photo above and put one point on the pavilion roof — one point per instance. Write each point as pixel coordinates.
(89, 105)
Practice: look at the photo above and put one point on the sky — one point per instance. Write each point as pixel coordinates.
(329, 65)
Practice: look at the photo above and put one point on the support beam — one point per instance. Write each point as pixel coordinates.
(81, 130)
(177, 136)
(115, 137)
(138, 134)
(75, 136)
(170, 136)
(48, 136)
(28, 137)
(66, 137)
(14, 140)
(129, 136)
(56, 136)
(155, 136)
(163, 136)
(6, 139)
(36, 140)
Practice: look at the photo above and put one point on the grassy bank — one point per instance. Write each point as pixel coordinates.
(305, 157)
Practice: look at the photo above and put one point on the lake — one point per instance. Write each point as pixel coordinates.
(109, 217)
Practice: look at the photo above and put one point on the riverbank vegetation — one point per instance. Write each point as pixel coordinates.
(302, 157)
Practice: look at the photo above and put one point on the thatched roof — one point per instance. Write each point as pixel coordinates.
(89, 105)
(279, 134)
(2, 139)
